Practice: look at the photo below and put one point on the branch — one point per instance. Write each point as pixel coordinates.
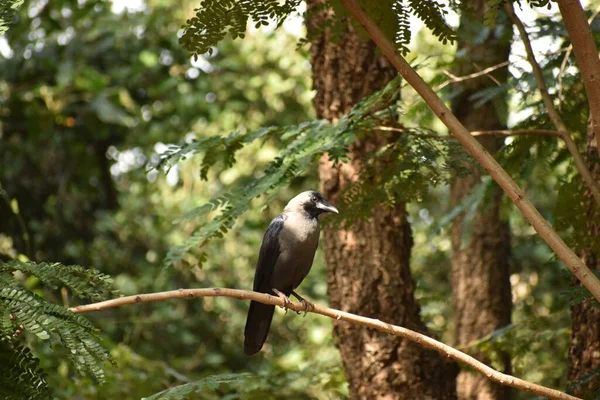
(530, 132)
(586, 55)
(455, 79)
(512, 190)
(518, 132)
(568, 50)
(264, 298)
(552, 113)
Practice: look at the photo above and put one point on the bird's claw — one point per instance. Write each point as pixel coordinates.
(308, 306)
(286, 300)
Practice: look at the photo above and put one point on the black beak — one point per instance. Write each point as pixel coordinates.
(327, 207)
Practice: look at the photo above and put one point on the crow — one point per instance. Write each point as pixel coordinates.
(286, 256)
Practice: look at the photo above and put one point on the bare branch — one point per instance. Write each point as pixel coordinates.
(586, 54)
(473, 147)
(455, 79)
(552, 112)
(568, 50)
(413, 336)
(517, 132)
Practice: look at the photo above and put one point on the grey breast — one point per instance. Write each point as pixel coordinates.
(298, 242)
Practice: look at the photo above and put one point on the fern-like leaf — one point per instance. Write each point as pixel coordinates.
(209, 383)
(20, 307)
(20, 376)
(215, 19)
(432, 14)
(84, 283)
(8, 9)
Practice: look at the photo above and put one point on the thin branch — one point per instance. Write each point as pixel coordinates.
(517, 132)
(473, 147)
(455, 79)
(412, 132)
(490, 76)
(413, 336)
(552, 113)
(586, 54)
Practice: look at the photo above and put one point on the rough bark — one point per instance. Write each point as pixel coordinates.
(480, 263)
(584, 350)
(368, 264)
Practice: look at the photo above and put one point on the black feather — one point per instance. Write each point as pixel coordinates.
(260, 315)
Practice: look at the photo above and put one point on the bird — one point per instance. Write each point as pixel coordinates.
(286, 256)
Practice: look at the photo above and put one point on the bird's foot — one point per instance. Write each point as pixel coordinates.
(308, 306)
(286, 300)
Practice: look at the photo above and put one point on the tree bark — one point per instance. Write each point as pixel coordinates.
(584, 349)
(480, 263)
(368, 263)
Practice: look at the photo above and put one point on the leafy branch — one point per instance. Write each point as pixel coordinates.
(552, 112)
(216, 19)
(22, 310)
(7, 13)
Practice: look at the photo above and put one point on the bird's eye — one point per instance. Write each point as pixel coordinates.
(313, 199)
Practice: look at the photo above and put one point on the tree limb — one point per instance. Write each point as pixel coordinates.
(416, 337)
(552, 112)
(516, 132)
(568, 50)
(512, 190)
(586, 54)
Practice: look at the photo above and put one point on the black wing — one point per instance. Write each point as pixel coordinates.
(269, 253)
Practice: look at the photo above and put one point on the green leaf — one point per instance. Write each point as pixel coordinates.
(20, 376)
(110, 113)
(210, 383)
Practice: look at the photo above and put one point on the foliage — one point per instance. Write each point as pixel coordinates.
(8, 9)
(23, 310)
(83, 282)
(21, 377)
(299, 385)
(491, 13)
(413, 164)
(207, 384)
(215, 19)
(84, 195)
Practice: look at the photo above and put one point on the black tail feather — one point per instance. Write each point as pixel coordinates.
(257, 327)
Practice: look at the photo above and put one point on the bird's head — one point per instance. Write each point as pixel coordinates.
(311, 202)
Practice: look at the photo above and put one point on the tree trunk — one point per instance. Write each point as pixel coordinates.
(480, 261)
(368, 264)
(584, 350)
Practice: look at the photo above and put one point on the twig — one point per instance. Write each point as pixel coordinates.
(552, 113)
(586, 54)
(517, 132)
(413, 336)
(473, 147)
(455, 79)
